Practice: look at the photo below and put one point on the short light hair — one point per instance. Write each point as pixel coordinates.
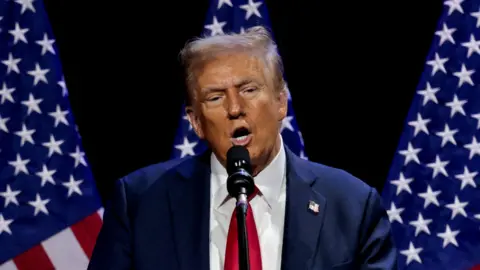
(256, 40)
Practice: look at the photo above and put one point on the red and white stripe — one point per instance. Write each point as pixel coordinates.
(69, 249)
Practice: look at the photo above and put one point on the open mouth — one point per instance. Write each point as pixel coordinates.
(241, 136)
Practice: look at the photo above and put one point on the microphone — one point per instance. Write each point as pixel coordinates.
(240, 183)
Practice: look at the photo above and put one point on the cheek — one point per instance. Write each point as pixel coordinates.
(266, 118)
(214, 124)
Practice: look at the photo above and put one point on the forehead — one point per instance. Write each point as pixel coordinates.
(229, 69)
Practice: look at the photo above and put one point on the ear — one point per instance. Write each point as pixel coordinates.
(283, 104)
(194, 121)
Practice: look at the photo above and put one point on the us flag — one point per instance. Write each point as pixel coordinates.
(226, 16)
(433, 193)
(50, 211)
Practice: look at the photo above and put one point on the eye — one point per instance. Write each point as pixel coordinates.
(250, 90)
(213, 99)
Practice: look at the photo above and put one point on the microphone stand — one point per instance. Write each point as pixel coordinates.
(240, 185)
(241, 207)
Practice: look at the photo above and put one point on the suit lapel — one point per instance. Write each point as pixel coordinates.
(302, 224)
(190, 203)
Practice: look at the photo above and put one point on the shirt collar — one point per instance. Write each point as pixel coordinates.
(269, 181)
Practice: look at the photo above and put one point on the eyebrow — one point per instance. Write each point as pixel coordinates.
(214, 88)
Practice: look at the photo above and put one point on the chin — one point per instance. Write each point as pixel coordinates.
(254, 155)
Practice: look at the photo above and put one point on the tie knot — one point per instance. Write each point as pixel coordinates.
(254, 193)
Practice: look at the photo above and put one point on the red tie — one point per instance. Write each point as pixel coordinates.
(231, 253)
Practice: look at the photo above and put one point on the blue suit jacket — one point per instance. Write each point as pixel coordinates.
(158, 219)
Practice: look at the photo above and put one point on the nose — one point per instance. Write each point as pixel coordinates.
(235, 105)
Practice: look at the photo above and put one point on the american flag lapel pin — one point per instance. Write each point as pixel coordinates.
(313, 207)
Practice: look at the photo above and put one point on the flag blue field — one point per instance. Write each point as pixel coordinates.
(432, 194)
(50, 211)
(235, 16)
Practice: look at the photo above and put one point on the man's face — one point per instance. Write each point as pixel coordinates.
(235, 103)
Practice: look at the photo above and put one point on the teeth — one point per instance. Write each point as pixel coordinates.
(240, 140)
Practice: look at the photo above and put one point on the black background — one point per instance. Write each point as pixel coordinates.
(352, 69)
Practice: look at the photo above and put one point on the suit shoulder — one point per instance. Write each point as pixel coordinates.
(339, 182)
(138, 181)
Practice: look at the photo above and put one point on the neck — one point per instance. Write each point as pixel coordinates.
(262, 162)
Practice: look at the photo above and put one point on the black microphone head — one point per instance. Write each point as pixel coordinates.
(239, 171)
(238, 158)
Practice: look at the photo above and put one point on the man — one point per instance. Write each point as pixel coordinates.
(177, 214)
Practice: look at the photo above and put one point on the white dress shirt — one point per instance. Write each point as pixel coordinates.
(268, 210)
